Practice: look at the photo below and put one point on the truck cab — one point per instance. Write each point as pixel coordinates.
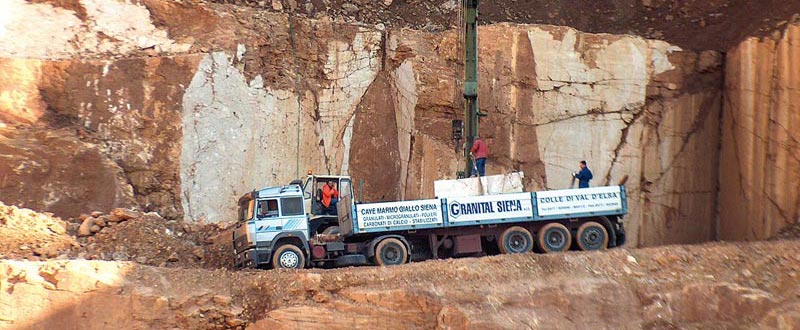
(320, 217)
(275, 224)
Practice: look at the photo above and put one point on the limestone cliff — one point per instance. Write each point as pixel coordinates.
(759, 173)
(198, 104)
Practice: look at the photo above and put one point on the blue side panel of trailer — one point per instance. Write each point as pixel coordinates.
(593, 202)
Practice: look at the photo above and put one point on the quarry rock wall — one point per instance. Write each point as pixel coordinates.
(760, 157)
(211, 101)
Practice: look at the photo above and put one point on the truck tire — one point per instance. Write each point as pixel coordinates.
(554, 237)
(288, 256)
(592, 236)
(515, 240)
(390, 252)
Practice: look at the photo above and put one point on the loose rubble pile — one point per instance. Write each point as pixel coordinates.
(96, 221)
(25, 234)
(148, 239)
(120, 235)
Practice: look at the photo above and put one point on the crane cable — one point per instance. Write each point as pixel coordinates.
(460, 50)
(297, 85)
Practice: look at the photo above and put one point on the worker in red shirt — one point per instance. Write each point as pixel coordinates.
(479, 153)
(329, 197)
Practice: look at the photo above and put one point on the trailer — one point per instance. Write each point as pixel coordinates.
(280, 227)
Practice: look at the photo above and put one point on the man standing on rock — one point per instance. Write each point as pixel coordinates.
(479, 153)
(583, 176)
(329, 197)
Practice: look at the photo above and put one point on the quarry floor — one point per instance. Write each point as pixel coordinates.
(146, 273)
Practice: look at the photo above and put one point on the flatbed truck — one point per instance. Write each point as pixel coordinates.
(285, 227)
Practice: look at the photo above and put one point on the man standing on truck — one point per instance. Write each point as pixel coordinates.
(329, 197)
(583, 176)
(479, 153)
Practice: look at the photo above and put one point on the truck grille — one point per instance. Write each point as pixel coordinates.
(240, 244)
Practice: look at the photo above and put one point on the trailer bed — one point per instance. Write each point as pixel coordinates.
(480, 210)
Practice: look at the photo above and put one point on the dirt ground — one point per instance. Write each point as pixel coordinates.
(692, 24)
(176, 276)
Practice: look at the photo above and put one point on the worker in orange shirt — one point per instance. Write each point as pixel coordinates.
(479, 153)
(329, 197)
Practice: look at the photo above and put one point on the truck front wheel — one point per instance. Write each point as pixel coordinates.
(390, 252)
(554, 237)
(515, 240)
(288, 256)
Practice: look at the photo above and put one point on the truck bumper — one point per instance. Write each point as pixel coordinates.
(252, 258)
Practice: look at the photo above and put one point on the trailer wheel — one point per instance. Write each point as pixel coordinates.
(515, 240)
(554, 237)
(288, 256)
(390, 252)
(592, 236)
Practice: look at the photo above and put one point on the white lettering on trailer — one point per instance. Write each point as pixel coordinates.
(491, 207)
(572, 201)
(396, 214)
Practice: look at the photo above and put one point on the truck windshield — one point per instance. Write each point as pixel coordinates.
(245, 209)
(291, 206)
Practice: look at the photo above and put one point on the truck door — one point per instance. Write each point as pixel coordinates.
(268, 222)
(345, 188)
(293, 216)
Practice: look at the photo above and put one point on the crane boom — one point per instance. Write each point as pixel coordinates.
(471, 111)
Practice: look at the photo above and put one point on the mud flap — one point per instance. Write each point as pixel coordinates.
(620, 234)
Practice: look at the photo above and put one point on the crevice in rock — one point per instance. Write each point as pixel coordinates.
(623, 141)
(697, 124)
(786, 218)
(735, 144)
(590, 112)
